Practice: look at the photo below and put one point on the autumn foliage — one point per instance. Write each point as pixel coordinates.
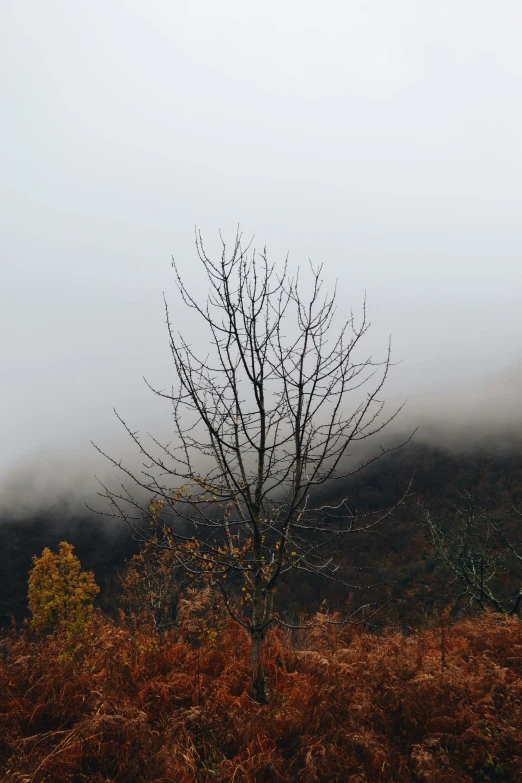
(125, 703)
(60, 593)
(153, 583)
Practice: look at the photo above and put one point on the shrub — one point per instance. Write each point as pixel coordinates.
(60, 593)
(132, 706)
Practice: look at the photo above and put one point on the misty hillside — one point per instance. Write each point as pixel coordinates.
(416, 692)
(396, 552)
(247, 249)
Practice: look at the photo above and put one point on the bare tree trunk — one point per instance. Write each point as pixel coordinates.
(262, 609)
(258, 635)
(258, 674)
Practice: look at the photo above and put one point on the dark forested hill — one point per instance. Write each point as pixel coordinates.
(394, 553)
(100, 546)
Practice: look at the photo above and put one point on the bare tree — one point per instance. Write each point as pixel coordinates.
(476, 545)
(261, 424)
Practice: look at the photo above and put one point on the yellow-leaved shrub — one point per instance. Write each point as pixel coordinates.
(60, 593)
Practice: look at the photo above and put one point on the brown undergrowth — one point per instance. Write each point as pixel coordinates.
(124, 704)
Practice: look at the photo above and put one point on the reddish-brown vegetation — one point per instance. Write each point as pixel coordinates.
(345, 705)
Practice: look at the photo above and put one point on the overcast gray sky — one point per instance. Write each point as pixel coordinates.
(379, 137)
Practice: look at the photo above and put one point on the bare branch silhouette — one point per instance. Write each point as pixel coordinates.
(263, 422)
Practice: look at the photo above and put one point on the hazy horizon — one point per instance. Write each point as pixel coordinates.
(380, 140)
